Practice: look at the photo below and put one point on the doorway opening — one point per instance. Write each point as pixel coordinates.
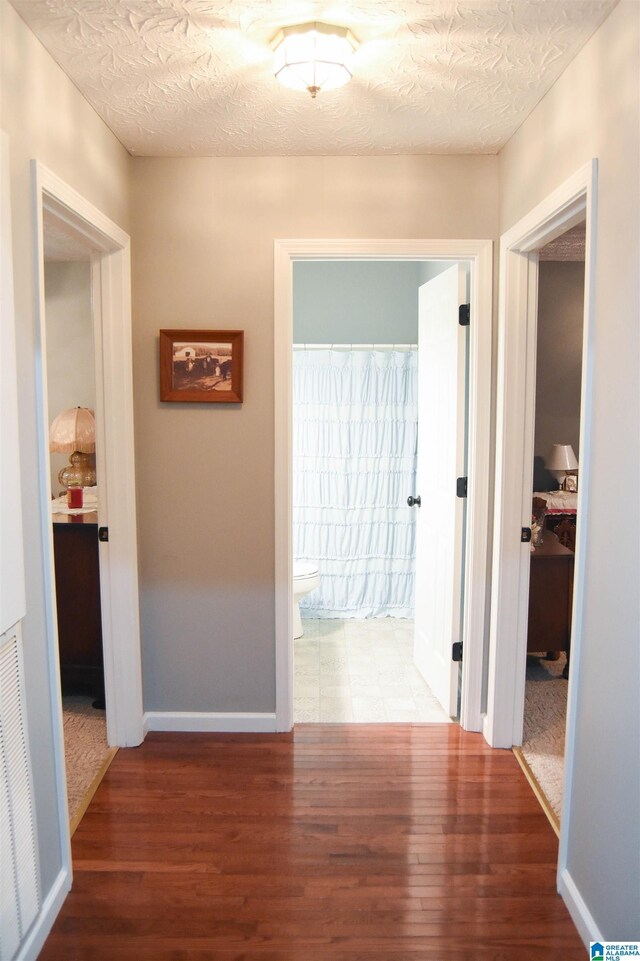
(90, 238)
(71, 399)
(358, 376)
(560, 312)
(570, 204)
(412, 253)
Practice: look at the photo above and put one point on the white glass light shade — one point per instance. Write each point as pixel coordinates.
(73, 430)
(562, 458)
(313, 56)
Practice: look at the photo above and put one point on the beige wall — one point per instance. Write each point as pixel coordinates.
(593, 111)
(559, 355)
(46, 118)
(203, 257)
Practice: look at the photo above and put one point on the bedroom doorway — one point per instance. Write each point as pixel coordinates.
(77, 222)
(560, 312)
(71, 401)
(571, 203)
(79, 225)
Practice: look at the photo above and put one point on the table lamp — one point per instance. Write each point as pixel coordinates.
(561, 461)
(74, 431)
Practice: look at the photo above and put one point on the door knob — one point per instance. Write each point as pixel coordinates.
(414, 501)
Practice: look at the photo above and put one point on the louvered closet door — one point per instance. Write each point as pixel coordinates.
(19, 894)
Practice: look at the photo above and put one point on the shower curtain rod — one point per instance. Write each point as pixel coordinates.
(355, 346)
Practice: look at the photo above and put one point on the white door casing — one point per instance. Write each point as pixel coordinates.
(111, 304)
(441, 459)
(478, 254)
(571, 202)
(515, 414)
(12, 586)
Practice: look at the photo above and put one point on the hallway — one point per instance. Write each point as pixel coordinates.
(334, 843)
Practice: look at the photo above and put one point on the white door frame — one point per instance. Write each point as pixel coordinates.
(111, 307)
(570, 203)
(479, 255)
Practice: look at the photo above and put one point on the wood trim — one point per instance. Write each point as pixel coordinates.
(91, 790)
(514, 443)
(479, 445)
(71, 207)
(582, 917)
(582, 532)
(575, 198)
(552, 817)
(12, 579)
(193, 721)
(111, 294)
(282, 360)
(32, 945)
(479, 254)
(46, 527)
(116, 473)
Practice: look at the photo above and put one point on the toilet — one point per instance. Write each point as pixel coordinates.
(305, 579)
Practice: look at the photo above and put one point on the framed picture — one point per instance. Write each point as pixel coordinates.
(201, 366)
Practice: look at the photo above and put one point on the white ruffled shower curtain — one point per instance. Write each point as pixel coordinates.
(355, 421)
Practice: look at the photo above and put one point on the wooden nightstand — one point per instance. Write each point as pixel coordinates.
(550, 597)
(75, 543)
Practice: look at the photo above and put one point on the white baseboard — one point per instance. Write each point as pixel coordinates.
(34, 941)
(196, 721)
(582, 917)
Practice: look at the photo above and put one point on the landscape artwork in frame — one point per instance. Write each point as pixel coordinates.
(201, 366)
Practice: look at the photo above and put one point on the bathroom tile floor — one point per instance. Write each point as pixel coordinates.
(360, 670)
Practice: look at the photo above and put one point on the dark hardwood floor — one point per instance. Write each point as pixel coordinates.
(335, 843)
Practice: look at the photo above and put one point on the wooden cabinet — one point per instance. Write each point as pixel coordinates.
(550, 596)
(75, 542)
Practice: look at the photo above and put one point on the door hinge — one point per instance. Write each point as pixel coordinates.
(461, 486)
(103, 533)
(456, 652)
(525, 535)
(464, 315)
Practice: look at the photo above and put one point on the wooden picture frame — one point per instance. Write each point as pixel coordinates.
(201, 366)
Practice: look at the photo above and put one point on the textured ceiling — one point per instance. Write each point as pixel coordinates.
(194, 77)
(569, 246)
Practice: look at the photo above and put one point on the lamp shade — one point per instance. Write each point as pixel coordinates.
(562, 457)
(313, 56)
(73, 430)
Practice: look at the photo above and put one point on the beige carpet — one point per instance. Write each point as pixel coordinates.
(545, 714)
(86, 751)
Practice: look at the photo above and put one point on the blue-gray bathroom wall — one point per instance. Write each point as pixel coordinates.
(428, 269)
(359, 302)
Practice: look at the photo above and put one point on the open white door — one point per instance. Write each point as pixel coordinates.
(441, 459)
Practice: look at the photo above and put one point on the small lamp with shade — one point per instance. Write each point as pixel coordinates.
(73, 432)
(561, 462)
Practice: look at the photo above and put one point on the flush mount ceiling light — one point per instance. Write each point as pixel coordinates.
(313, 56)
